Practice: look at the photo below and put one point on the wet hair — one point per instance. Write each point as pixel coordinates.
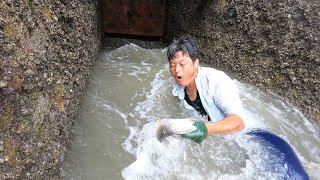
(186, 44)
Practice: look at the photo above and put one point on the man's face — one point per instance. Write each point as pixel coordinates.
(183, 69)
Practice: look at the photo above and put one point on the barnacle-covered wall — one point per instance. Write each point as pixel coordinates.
(46, 54)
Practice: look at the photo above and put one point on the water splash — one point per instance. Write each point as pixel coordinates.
(130, 88)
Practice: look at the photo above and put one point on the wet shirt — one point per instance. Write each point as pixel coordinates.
(218, 94)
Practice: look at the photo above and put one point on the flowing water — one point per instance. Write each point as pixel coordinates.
(130, 88)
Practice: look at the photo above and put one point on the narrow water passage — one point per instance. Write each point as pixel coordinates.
(130, 88)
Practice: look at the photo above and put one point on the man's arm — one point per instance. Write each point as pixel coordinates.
(228, 125)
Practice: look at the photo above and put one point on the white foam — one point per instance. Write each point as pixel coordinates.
(154, 159)
(158, 85)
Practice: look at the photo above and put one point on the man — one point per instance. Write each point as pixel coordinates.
(208, 91)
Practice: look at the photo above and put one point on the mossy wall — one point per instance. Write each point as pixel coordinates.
(272, 44)
(47, 49)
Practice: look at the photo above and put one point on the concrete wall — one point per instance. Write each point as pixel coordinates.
(272, 44)
(47, 49)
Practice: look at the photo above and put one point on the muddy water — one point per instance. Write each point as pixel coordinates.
(130, 88)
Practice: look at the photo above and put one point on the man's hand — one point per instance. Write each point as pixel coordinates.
(198, 135)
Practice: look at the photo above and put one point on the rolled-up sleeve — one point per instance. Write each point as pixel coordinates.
(225, 94)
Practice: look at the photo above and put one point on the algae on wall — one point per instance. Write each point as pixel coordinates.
(47, 49)
(272, 44)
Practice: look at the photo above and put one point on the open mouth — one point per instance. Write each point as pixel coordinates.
(179, 77)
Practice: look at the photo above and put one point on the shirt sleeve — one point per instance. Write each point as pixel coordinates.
(225, 94)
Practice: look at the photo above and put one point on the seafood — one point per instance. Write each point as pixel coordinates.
(174, 127)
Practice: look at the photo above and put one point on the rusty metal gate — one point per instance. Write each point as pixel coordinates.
(137, 17)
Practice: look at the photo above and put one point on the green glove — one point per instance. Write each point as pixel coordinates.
(198, 135)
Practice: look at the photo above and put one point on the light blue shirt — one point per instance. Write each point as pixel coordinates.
(218, 93)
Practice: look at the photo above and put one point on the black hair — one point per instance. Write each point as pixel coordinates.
(186, 44)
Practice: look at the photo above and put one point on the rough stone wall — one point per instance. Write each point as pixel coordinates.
(272, 44)
(47, 49)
